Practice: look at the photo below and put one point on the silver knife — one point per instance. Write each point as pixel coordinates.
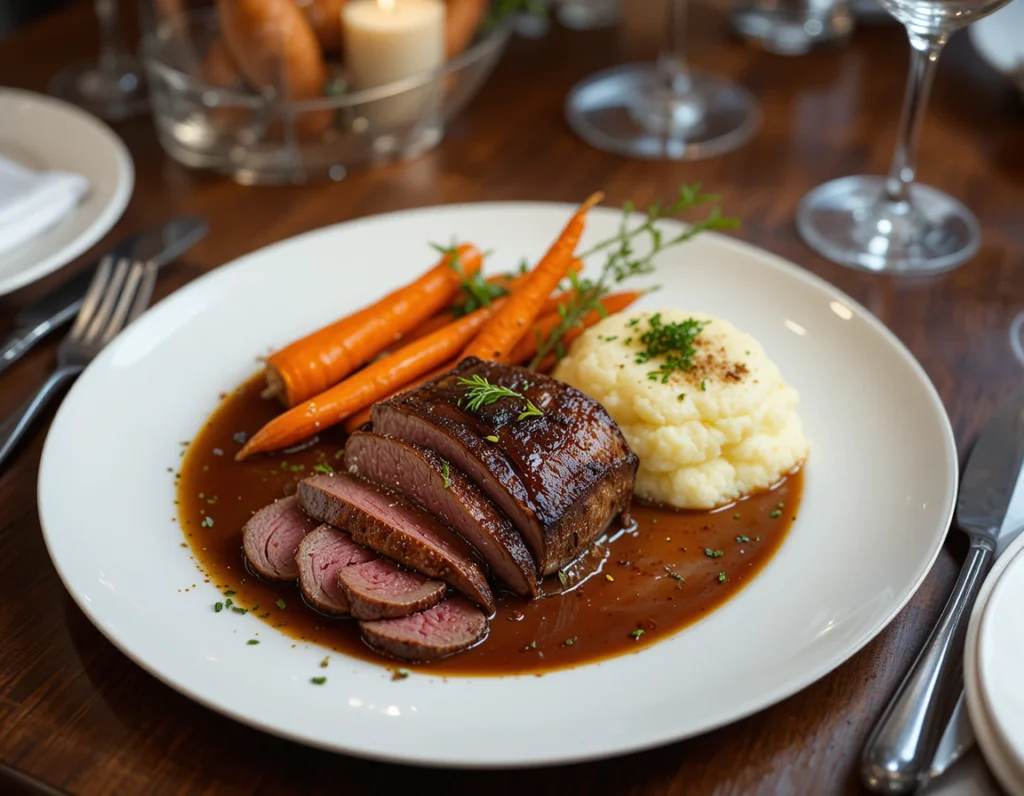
(990, 510)
(162, 244)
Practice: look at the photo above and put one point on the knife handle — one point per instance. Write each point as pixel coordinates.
(899, 751)
(14, 428)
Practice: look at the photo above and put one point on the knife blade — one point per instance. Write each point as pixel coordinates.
(957, 739)
(162, 244)
(901, 748)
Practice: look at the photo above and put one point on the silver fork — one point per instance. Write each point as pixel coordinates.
(117, 295)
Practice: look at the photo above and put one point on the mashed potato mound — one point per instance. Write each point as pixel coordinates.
(705, 437)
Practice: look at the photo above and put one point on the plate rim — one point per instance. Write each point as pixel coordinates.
(977, 702)
(108, 216)
(768, 699)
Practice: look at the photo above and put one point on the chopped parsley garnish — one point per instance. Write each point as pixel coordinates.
(743, 539)
(400, 674)
(637, 633)
(318, 680)
(218, 607)
(446, 474)
(569, 642)
(481, 392)
(776, 513)
(681, 396)
(253, 642)
(281, 604)
(563, 578)
(228, 603)
(207, 521)
(781, 505)
(229, 593)
(757, 538)
(713, 553)
(703, 385)
(721, 577)
(491, 438)
(531, 646)
(677, 577)
(239, 610)
(672, 341)
(323, 468)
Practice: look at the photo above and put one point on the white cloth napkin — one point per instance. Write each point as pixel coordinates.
(31, 202)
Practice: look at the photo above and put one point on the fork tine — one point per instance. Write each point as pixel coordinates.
(145, 291)
(124, 303)
(109, 300)
(92, 297)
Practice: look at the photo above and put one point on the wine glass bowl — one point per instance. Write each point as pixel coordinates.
(892, 224)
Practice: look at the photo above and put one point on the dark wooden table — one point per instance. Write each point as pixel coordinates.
(76, 713)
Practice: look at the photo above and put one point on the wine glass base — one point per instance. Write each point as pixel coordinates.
(115, 93)
(790, 29)
(845, 222)
(612, 111)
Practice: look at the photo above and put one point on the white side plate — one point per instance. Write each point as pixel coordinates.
(47, 134)
(878, 498)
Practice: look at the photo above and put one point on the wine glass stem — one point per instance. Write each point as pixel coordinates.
(672, 60)
(924, 59)
(110, 48)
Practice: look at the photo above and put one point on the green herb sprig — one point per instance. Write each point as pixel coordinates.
(479, 292)
(622, 260)
(480, 392)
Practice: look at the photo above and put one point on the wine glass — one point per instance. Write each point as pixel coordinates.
(664, 109)
(892, 224)
(113, 86)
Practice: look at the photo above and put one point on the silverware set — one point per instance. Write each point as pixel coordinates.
(102, 301)
(925, 727)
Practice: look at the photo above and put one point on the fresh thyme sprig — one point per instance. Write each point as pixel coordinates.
(478, 291)
(480, 392)
(623, 261)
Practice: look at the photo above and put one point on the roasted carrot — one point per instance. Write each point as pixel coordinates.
(444, 318)
(527, 347)
(363, 415)
(369, 385)
(513, 322)
(309, 366)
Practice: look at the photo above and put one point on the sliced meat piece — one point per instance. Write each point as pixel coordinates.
(381, 589)
(388, 523)
(271, 538)
(321, 555)
(445, 491)
(560, 477)
(448, 627)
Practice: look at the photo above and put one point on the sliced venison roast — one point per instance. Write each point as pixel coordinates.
(443, 490)
(321, 555)
(271, 538)
(450, 626)
(388, 523)
(561, 477)
(380, 589)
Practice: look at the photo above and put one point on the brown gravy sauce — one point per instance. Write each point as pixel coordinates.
(657, 577)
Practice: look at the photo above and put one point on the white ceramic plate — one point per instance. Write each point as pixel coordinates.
(993, 662)
(999, 39)
(878, 498)
(45, 133)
